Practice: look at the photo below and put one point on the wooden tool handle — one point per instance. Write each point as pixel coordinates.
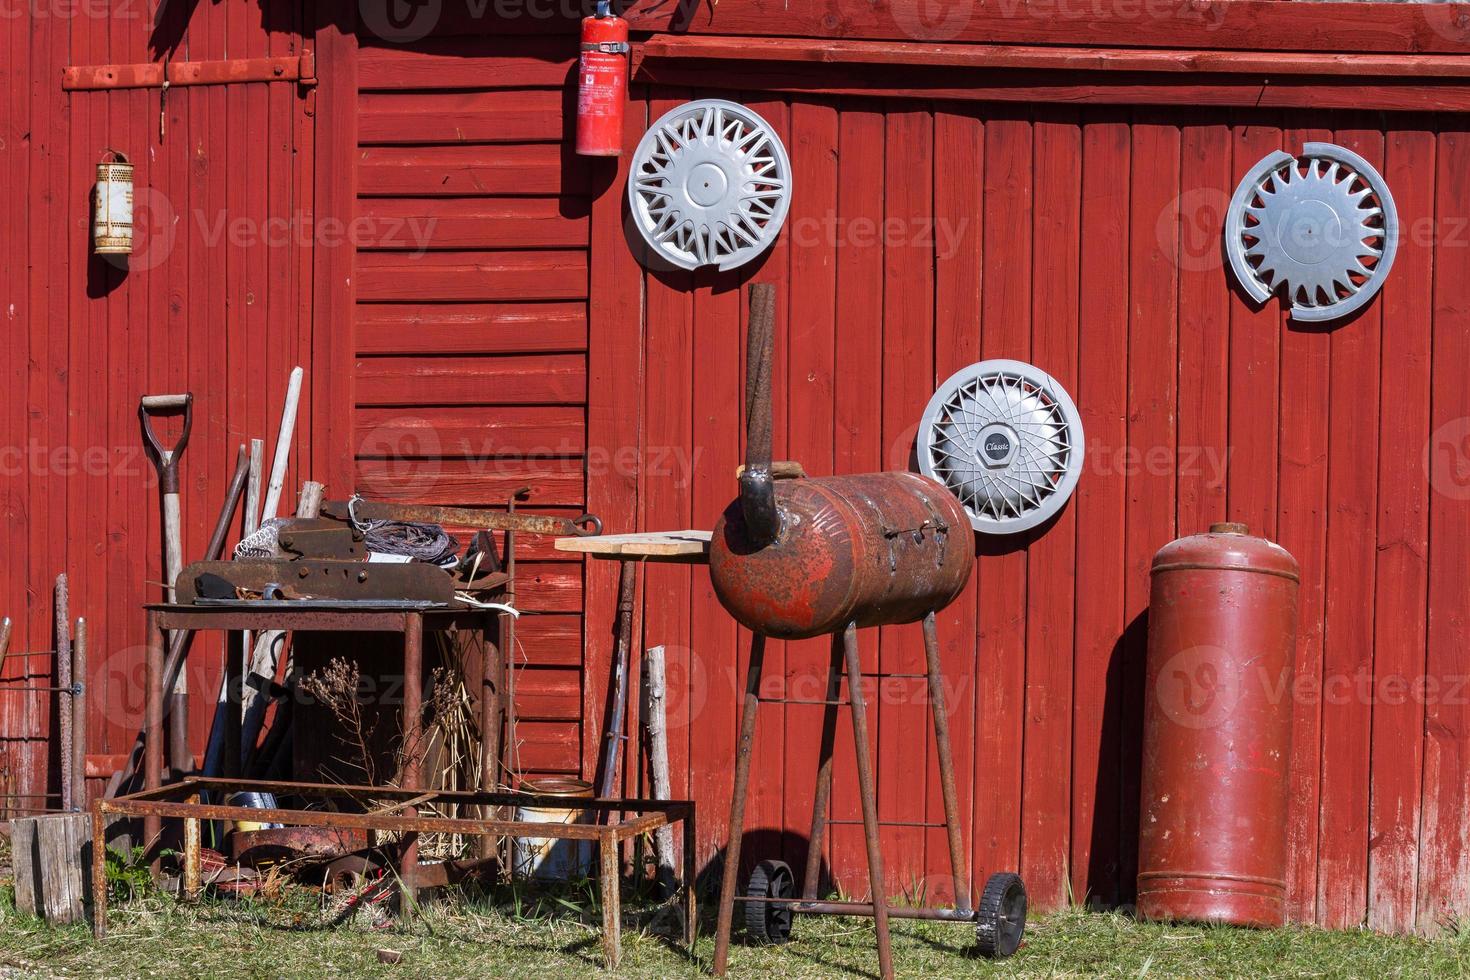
(159, 403)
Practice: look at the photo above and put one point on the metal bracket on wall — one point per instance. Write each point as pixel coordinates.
(295, 68)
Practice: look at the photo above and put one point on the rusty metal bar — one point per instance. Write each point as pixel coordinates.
(868, 793)
(610, 880)
(613, 746)
(959, 861)
(153, 725)
(806, 907)
(725, 915)
(757, 490)
(413, 707)
(293, 68)
(485, 518)
(79, 716)
(811, 881)
(192, 885)
(99, 873)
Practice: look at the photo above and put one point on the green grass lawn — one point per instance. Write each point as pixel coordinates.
(464, 938)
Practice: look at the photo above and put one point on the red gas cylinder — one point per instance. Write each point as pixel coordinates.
(1217, 730)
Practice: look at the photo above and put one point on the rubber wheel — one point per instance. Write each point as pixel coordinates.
(769, 923)
(1001, 918)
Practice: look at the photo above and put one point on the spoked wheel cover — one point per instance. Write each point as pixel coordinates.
(1321, 228)
(1000, 920)
(710, 184)
(1006, 439)
(769, 922)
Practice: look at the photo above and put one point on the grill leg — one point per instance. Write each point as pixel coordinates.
(869, 797)
(811, 881)
(958, 861)
(743, 748)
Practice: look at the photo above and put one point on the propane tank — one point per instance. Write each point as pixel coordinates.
(801, 557)
(602, 93)
(1217, 730)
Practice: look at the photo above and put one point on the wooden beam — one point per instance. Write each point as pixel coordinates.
(1236, 25)
(1055, 86)
(295, 68)
(1013, 56)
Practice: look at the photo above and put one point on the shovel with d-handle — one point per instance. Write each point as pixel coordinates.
(167, 461)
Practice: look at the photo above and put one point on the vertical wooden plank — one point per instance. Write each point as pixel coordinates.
(1005, 332)
(615, 377)
(1102, 400)
(1444, 845)
(767, 795)
(1205, 186)
(1352, 484)
(816, 234)
(1402, 573)
(1152, 376)
(858, 445)
(1254, 341)
(959, 223)
(1051, 564)
(907, 372)
(1302, 530)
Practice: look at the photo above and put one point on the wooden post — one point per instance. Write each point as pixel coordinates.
(252, 486)
(655, 717)
(310, 502)
(52, 857)
(283, 447)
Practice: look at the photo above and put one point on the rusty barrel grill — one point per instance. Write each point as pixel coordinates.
(797, 558)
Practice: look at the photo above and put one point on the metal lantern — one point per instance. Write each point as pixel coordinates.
(112, 206)
(1319, 227)
(710, 185)
(1006, 439)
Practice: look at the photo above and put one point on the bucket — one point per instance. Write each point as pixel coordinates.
(547, 858)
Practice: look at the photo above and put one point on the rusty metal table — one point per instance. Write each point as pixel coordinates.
(183, 801)
(407, 618)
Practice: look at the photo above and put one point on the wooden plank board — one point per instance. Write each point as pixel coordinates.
(859, 447)
(647, 544)
(1302, 522)
(1152, 387)
(434, 433)
(471, 276)
(1005, 311)
(959, 154)
(1444, 857)
(1102, 401)
(416, 224)
(471, 328)
(1210, 24)
(502, 379)
(519, 116)
(1051, 561)
(556, 482)
(1402, 573)
(434, 61)
(471, 170)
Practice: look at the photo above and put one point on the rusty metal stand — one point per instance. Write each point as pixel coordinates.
(844, 654)
(182, 801)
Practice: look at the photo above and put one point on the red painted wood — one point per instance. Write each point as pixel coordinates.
(506, 379)
(858, 439)
(1223, 24)
(1102, 401)
(471, 170)
(907, 377)
(465, 63)
(1302, 523)
(1352, 490)
(1051, 563)
(489, 328)
(472, 277)
(1152, 391)
(1402, 572)
(461, 117)
(415, 224)
(811, 362)
(1444, 858)
(959, 152)
(1005, 316)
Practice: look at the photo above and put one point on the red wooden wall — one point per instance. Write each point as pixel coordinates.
(217, 301)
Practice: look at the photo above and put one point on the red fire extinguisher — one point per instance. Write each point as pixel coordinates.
(603, 85)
